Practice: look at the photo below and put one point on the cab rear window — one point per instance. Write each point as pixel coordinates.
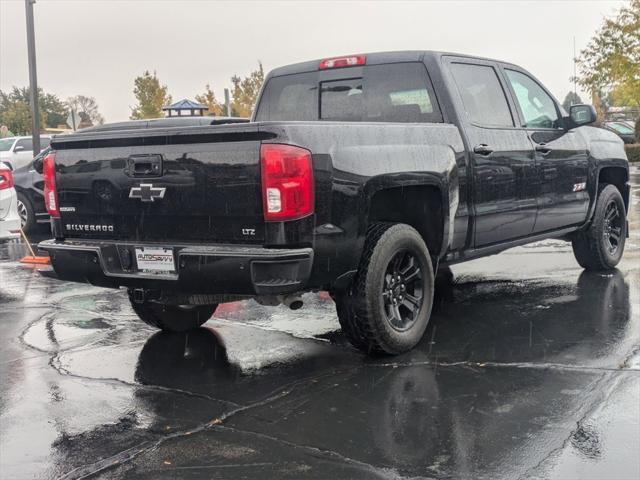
(398, 92)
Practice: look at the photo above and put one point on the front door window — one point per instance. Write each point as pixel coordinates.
(538, 108)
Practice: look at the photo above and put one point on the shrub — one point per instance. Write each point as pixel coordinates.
(633, 152)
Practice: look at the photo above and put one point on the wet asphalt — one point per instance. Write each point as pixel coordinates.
(530, 368)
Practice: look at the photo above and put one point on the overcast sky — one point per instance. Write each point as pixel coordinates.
(97, 48)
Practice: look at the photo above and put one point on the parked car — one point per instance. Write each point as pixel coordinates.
(360, 175)
(29, 185)
(18, 151)
(622, 129)
(9, 219)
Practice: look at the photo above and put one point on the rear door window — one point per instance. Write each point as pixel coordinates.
(399, 92)
(482, 95)
(26, 143)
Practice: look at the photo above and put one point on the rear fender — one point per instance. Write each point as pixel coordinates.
(448, 200)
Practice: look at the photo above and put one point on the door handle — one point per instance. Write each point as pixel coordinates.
(483, 149)
(543, 148)
(144, 166)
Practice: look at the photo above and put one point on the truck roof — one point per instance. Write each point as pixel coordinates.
(375, 58)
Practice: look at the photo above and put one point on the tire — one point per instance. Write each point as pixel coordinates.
(172, 318)
(379, 313)
(601, 246)
(27, 214)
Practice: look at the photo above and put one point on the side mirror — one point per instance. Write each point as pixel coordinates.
(38, 164)
(581, 115)
(18, 148)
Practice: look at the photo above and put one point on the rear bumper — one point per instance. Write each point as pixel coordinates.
(206, 269)
(9, 229)
(9, 218)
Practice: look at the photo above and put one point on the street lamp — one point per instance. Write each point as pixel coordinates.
(33, 80)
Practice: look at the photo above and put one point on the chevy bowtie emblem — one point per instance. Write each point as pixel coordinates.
(147, 192)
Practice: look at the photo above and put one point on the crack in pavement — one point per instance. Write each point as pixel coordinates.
(119, 458)
(387, 473)
(535, 366)
(588, 412)
(54, 362)
(227, 465)
(125, 456)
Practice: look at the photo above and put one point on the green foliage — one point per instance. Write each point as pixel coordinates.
(245, 92)
(633, 152)
(17, 117)
(611, 61)
(572, 98)
(208, 98)
(15, 110)
(87, 108)
(151, 97)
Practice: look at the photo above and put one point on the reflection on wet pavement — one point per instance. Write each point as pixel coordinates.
(530, 368)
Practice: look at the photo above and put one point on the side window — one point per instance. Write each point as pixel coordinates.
(25, 143)
(89, 167)
(482, 95)
(538, 108)
(290, 98)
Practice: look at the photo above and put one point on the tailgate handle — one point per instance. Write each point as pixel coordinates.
(145, 166)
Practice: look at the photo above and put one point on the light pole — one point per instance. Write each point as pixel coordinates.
(33, 79)
(227, 102)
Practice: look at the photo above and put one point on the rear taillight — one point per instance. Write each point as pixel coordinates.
(341, 62)
(50, 192)
(287, 182)
(6, 178)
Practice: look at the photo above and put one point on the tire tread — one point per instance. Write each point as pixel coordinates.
(352, 307)
(587, 244)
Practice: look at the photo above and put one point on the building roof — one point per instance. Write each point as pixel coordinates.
(185, 104)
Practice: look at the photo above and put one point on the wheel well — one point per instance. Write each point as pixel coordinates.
(616, 176)
(418, 206)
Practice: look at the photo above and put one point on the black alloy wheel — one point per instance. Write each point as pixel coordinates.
(403, 290)
(613, 225)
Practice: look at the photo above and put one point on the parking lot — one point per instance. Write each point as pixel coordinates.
(530, 368)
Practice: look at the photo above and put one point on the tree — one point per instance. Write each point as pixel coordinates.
(572, 98)
(15, 110)
(245, 92)
(611, 61)
(151, 97)
(208, 98)
(18, 118)
(87, 108)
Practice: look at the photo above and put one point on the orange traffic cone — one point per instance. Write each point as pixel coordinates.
(33, 259)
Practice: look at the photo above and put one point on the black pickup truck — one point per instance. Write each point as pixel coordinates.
(360, 175)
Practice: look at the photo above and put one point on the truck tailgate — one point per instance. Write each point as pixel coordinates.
(193, 184)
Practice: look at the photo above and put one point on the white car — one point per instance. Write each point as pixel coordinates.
(18, 151)
(9, 218)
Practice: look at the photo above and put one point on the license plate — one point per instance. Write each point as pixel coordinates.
(155, 260)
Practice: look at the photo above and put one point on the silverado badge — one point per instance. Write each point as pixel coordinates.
(147, 192)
